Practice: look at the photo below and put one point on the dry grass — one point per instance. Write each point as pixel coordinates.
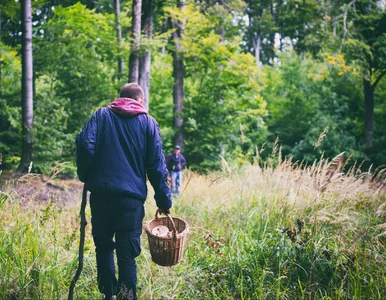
(245, 240)
(322, 186)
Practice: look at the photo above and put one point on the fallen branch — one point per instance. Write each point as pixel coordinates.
(50, 184)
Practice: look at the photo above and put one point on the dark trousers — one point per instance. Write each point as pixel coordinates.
(121, 216)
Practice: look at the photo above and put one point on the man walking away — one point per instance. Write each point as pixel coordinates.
(115, 150)
(175, 162)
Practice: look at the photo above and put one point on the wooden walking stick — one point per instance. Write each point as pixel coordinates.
(83, 224)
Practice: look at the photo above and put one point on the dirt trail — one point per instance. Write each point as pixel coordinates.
(41, 189)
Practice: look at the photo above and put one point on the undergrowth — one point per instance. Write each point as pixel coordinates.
(257, 232)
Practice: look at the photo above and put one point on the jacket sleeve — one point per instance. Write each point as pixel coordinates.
(85, 148)
(156, 167)
(169, 162)
(183, 161)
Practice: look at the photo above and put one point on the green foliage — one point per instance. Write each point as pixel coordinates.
(379, 154)
(304, 97)
(366, 46)
(10, 110)
(232, 107)
(221, 94)
(80, 77)
(161, 102)
(53, 142)
(78, 43)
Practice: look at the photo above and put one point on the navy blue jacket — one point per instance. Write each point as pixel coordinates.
(115, 152)
(175, 163)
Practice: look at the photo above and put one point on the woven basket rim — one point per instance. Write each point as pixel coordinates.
(178, 234)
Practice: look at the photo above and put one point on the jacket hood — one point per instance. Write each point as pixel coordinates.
(127, 107)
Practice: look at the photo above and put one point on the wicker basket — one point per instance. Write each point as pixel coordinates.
(167, 250)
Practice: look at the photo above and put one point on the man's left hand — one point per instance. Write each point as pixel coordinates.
(165, 212)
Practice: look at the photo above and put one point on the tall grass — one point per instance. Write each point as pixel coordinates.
(257, 232)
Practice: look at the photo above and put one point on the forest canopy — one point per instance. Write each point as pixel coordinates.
(228, 79)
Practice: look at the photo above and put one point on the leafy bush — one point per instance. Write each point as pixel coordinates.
(306, 98)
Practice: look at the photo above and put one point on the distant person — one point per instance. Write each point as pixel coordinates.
(175, 162)
(115, 150)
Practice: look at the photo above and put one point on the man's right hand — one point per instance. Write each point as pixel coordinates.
(165, 212)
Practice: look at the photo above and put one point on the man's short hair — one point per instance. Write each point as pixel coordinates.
(131, 90)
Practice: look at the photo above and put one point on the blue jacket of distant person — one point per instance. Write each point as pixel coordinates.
(175, 162)
(118, 147)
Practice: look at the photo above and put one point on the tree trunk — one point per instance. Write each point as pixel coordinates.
(136, 38)
(256, 44)
(165, 26)
(222, 34)
(89, 4)
(119, 34)
(145, 58)
(178, 75)
(326, 17)
(27, 87)
(368, 91)
(257, 50)
(272, 35)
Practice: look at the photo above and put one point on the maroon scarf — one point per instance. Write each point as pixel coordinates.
(127, 107)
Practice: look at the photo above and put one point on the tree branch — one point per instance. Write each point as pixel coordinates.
(226, 4)
(378, 79)
(231, 8)
(345, 23)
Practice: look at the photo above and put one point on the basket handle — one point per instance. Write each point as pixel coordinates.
(157, 213)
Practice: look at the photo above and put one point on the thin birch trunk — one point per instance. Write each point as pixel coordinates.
(27, 87)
